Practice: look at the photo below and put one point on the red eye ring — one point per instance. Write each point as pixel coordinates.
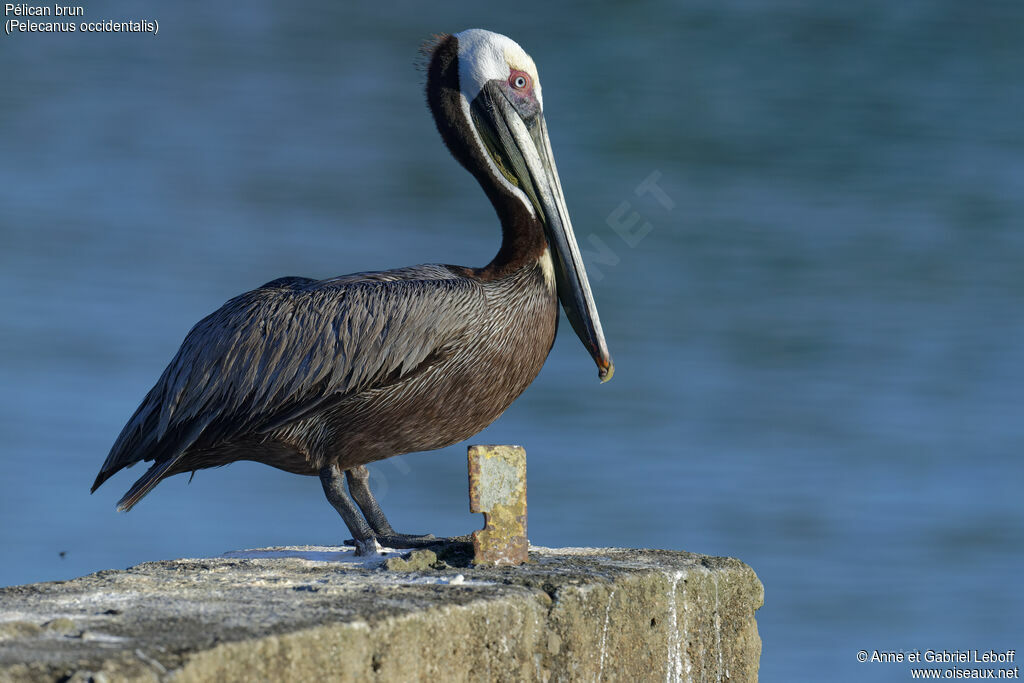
(519, 80)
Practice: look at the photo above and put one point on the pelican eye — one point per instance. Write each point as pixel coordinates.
(519, 80)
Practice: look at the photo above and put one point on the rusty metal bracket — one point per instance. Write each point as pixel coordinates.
(497, 488)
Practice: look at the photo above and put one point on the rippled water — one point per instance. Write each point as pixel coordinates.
(819, 342)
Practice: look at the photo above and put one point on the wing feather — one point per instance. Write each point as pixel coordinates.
(271, 355)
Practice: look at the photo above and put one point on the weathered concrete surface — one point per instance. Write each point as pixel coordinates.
(315, 614)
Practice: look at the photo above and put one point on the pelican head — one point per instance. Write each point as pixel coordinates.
(486, 98)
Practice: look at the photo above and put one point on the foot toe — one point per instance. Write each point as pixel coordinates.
(409, 540)
(367, 547)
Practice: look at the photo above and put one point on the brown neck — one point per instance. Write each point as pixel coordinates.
(522, 235)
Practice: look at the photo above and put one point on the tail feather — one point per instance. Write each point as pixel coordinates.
(153, 476)
(137, 443)
(134, 443)
(127, 450)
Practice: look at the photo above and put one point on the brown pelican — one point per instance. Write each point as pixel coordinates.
(321, 377)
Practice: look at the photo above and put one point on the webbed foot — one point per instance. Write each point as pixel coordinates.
(401, 541)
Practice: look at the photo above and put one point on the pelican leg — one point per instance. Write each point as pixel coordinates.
(359, 486)
(334, 487)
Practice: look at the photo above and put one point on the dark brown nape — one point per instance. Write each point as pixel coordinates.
(523, 240)
(426, 52)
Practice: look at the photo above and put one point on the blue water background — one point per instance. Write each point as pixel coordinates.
(819, 340)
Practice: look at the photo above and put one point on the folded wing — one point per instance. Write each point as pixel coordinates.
(277, 353)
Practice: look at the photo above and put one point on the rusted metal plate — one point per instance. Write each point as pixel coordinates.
(497, 488)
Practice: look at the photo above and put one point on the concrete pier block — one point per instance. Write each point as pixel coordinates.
(309, 613)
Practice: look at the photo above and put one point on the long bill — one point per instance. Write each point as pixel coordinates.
(522, 151)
